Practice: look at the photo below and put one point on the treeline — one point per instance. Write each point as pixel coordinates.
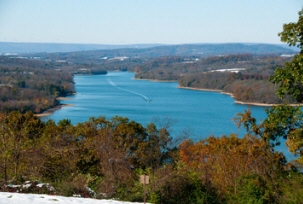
(247, 86)
(103, 158)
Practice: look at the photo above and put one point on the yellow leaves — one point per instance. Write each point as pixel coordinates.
(294, 141)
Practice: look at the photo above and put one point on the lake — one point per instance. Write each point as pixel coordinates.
(117, 93)
(200, 113)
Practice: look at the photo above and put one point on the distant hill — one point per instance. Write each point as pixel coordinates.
(14, 47)
(144, 50)
(199, 50)
(194, 49)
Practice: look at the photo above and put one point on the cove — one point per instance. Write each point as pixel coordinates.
(200, 113)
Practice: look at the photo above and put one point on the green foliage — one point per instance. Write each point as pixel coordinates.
(282, 121)
(290, 78)
(292, 188)
(286, 122)
(292, 32)
(180, 186)
(252, 190)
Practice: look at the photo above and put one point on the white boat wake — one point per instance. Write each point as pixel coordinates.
(129, 91)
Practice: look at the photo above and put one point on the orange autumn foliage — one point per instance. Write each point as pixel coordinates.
(220, 162)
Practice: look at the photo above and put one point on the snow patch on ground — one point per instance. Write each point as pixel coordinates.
(19, 198)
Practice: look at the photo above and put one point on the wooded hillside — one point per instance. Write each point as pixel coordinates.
(33, 85)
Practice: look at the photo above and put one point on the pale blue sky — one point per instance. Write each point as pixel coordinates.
(145, 21)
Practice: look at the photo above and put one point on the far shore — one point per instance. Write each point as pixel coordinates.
(155, 80)
(238, 102)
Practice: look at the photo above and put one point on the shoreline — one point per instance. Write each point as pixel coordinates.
(52, 110)
(201, 89)
(55, 108)
(236, 101)
(63, 98)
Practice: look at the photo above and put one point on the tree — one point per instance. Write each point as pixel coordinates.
(221, 162)
(113, 149)
(60, 151)
(20, 136)
(290, 78)
(284, 121)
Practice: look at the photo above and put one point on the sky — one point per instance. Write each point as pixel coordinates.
(120, 22)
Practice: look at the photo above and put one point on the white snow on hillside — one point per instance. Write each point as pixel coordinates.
(19, 198)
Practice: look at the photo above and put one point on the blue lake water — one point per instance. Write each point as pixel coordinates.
(202, 113)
